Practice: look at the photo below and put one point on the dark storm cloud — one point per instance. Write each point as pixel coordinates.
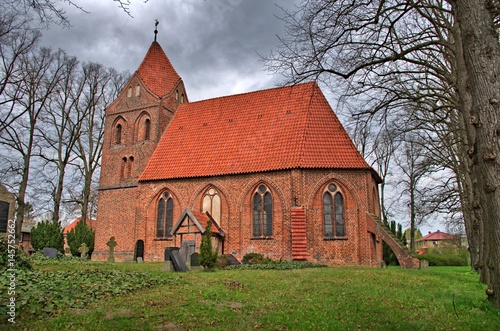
(213, 44)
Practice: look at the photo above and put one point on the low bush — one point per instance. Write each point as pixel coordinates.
(222, 261)
(276, 265)
(460, 259)
(256, 258)
(13, 257)
(39, 259)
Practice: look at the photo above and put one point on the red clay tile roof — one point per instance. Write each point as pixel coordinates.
(438, 235)
(157, 72)
(281, 128)
(200, 219)
(203, 220)
(75, 222)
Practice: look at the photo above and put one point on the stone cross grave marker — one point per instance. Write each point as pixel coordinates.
(111, 244)
(83, 249)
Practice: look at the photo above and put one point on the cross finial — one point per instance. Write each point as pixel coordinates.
(156, 29)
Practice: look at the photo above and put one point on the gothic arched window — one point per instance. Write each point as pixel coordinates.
(129, 166)
(122, 168)
(118, 134)
(333, 212)
(147, 129)
(211, 203)
(262, 212)
(165, 216)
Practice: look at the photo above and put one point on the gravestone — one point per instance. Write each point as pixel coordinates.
(194, 261)
(424, 264)
(167, 258)
(178, 261)
(139, 260)
(167, 254)
(111, 244)
(83, 249)
(50, 252)
(231, 260)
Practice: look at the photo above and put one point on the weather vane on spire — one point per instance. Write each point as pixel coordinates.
(156, 29)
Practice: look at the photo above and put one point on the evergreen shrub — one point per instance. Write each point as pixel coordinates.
(208, 257)
(81, 233)
(47, 234)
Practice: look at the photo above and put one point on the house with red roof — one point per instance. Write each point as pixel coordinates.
(274, 169)
(438, 239)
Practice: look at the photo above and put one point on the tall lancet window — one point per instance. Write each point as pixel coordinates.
(333, 212)
(118, 134)
(165, 216)
(211, 203)
(262, 212)
(147, 129)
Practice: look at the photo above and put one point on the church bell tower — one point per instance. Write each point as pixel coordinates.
(134, 124)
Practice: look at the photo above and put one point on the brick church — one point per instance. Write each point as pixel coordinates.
(274, 170)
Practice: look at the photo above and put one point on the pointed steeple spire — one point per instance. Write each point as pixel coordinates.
(157, 72)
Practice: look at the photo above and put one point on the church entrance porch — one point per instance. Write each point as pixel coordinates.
(189, 229)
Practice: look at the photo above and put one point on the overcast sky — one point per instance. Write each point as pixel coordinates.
(213, 44)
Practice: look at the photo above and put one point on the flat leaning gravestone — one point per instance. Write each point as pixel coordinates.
(50, 252)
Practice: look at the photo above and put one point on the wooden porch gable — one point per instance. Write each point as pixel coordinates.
(192, 222)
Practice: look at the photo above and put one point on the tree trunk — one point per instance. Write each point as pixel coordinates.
(412, 213)
(58, 191)
(481, 58)
(86, 199)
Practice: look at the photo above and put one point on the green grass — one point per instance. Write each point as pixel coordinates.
(440, 298)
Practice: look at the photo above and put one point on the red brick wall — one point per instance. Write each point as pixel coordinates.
(358, 248)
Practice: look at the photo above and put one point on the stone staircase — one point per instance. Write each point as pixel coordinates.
(401, 251)
(299, 239)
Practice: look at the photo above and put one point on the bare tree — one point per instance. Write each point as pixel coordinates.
(16, 40)
(415, 167)
(378, 42)
(44, 11)
(100, 87)
(41, 71)
(59, 130)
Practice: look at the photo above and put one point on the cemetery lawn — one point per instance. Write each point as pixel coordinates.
(348, 298)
